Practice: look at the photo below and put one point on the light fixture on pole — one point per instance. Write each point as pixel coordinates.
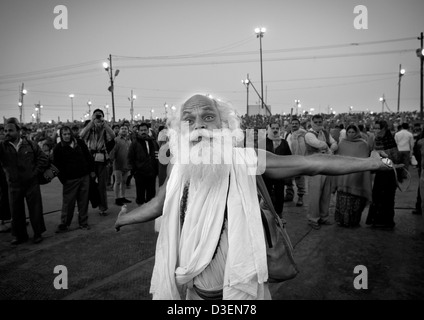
(151, 114)
(246, 83)
(420, 54)
(259, 34)
(166, 110)
(89, 106)
(401, 73)
(107, 113)
(131, 99)
(382, 100)
(22, 92)
(297, 102)
(72, 105)
(108, 68)
(350, 109)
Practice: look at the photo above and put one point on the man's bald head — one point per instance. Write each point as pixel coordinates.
(201, 112)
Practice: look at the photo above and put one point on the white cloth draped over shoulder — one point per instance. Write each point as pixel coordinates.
(181, 255)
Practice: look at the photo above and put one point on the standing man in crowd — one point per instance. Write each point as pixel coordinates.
(142, 158)
(22, 163)
(75, 164)
(296, 141)
(96, 135)
(121, 170)
(318, 140)
(279, 146)
(405, 143)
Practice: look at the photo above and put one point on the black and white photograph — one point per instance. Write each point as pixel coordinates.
(211, 150)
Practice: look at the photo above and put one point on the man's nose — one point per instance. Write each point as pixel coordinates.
(199, 124)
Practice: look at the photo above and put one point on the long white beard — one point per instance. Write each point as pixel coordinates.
(209, 159)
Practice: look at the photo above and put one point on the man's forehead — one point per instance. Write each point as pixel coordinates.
(198, 101)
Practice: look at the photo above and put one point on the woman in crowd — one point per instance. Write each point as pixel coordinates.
(353, 190)
(382, 209)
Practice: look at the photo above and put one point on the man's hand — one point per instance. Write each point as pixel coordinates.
(121, 213)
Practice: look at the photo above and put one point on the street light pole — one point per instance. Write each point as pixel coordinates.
(72, 105)
(166, 110)
(259, 34)
(382, 99)
(89, 107)
(401, 73)
(108, 68)
(246, 83)
(22, 92)
(421, 55)
(133, 97)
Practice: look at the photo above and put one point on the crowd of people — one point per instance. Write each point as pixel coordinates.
(109, 156)
(319, 154)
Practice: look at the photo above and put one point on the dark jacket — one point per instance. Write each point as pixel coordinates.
(22, 167)
(139, 161)
(282, 150)
(73, 163)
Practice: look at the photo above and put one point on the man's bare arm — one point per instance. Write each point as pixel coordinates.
(148, 211)
(279, 167)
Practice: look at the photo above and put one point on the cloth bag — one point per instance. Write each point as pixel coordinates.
(280, 260)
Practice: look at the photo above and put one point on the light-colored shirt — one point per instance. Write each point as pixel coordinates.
(404, 140)
(320, 142)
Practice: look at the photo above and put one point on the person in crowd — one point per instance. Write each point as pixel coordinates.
(382, 209)
(296, 142)
(276, 145)
(354, 190)
(318, 140)
(405, 143)
(22, 163)
(121, 169)
(75, 164)
(418, 135)
(142, 158)
(211, 244)
(96, 134)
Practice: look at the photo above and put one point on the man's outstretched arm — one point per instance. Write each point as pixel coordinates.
(148, 211)
(279, 167)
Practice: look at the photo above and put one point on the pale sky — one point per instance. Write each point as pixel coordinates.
(167, 50)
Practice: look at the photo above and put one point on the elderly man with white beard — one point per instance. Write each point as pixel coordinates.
(211, 243)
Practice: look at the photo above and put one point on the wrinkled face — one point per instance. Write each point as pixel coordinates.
(11, 133)
(275, 128)
(200, 112)
(66, 135)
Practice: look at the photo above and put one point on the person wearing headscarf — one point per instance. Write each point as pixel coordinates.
(382, 209)
(353, 190)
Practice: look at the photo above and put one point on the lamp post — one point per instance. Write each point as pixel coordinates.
(382, 100)
(420, 54)
(297, 102)
(151, 114)
(72, 105)
(22, 92)
(401, 73)
(108, 68)
(350, 109)
(107, 113)
(131, 99)
(89, 106)
(259, 34)
(166, 110)
(246, 83)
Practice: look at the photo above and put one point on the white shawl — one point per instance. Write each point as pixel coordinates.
(182, 256)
